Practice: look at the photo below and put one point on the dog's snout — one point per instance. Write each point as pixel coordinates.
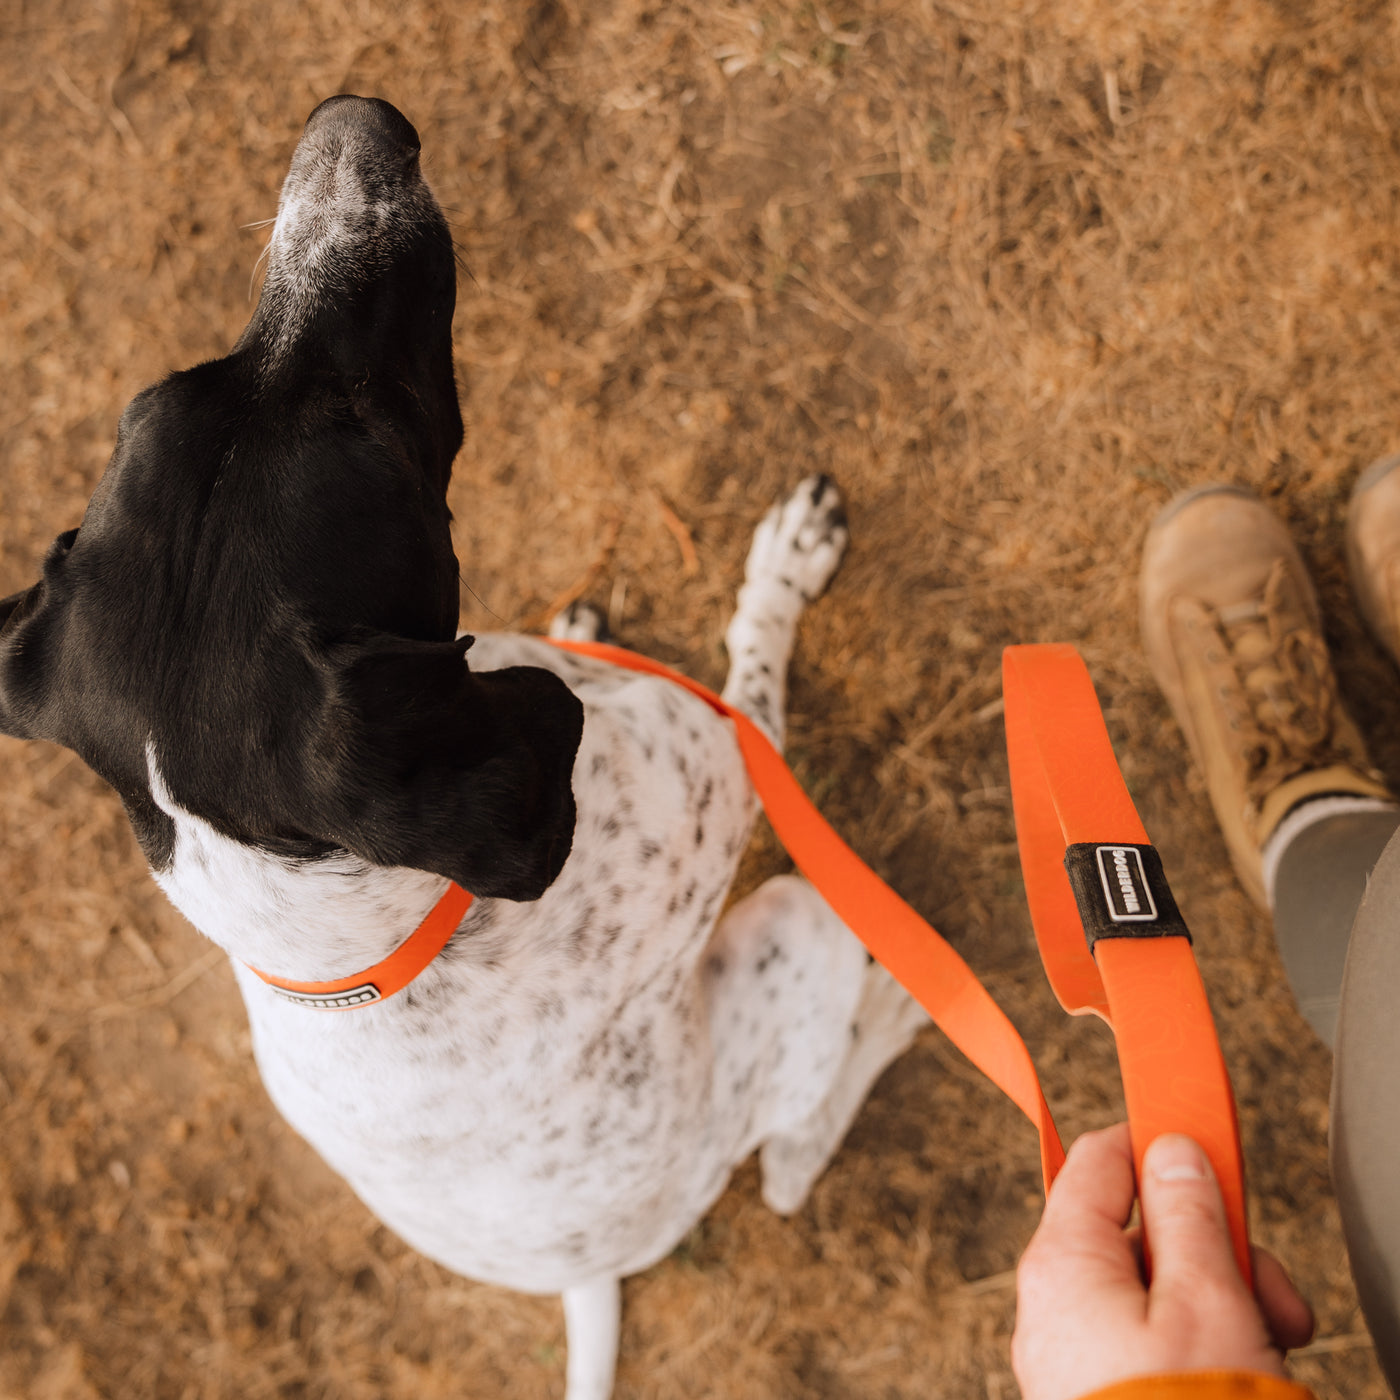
(353, 200)
(363, 121)
(358, 235)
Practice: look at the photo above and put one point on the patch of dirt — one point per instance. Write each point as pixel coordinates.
(1013, 273)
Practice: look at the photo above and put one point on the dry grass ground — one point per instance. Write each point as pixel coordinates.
(1013, 273)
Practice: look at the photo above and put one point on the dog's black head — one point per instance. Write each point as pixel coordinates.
(261, 600)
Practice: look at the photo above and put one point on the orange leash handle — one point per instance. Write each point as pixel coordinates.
(906, 944)
(1094, 881)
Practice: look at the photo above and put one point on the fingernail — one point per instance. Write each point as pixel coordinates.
(1173, 1157)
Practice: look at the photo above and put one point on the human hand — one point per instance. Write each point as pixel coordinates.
(1084, 1317)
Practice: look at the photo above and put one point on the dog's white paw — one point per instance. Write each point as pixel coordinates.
(799, 543)
(790, 1167)
(579, 622)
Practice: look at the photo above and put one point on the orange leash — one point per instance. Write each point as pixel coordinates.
(929, 969)
(1112, 940)
(1068, 796)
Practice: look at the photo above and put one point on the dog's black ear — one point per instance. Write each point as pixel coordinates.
(15, 718)
(27, 645)
(434, 766)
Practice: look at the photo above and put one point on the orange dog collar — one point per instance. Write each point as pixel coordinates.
(387, 977)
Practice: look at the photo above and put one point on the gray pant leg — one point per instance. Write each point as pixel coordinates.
(1317, 888)
(1366, 1109)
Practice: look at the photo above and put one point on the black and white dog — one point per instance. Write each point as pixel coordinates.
(251, 636)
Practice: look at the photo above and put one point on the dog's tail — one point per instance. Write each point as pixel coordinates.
(592, 1313)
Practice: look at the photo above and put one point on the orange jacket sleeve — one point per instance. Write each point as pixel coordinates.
(1205, 1385)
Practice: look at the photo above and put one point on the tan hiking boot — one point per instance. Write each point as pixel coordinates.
(1233, 634)
(1373, 550)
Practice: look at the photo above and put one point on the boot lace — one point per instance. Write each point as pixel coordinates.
(1285, 708)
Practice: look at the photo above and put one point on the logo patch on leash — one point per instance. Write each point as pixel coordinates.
(1121, 892)
(1125, 885)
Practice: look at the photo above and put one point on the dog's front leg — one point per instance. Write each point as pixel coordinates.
(795, 551)
(592, 1312)
(780, 958)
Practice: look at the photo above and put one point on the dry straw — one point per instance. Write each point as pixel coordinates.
(1013, 273)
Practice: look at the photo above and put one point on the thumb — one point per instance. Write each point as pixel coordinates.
(1184, 1216)
(1197, 1293)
